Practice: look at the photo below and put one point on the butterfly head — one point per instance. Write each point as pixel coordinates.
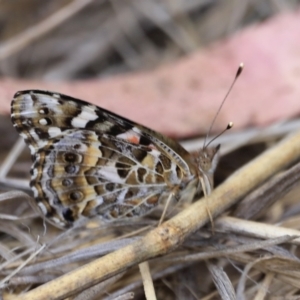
(207, 162)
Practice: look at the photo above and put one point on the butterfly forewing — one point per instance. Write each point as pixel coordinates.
(89, 161)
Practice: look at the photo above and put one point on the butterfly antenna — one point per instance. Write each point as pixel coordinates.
(229, 126)
(238, 73)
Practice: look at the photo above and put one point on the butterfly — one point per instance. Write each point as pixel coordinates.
(89, 162)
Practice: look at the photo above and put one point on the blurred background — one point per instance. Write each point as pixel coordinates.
(79, 39)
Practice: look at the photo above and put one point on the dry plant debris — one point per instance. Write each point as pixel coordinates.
(100, 259)
(252, 253)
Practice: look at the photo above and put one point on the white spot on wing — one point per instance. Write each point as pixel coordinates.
(79, 123)
(42, 208)
(87, 114)
(34, 174)
(42, 143)
(23, 135)
(136, 130)
(35, 191)
(54, 131)
(99, 200)
(43, 121)
(110, 174)
(58, 221)
(155, 153)
(32, 149)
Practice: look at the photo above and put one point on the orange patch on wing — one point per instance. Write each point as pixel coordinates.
(134, 139)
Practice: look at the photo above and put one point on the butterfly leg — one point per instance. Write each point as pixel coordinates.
(211, 219)
(173, 195)
(206, 193)
(165, 208)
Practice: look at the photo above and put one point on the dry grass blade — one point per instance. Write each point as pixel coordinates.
(222, 282)
(263, 290)
(147, 281)
(259, 230)
(135, 285)
(78, 255)
(268, 193)
(172, 233)
(230, 251)
(277, 265)
(94, 292)
(11, 157)
(31, 257)
(126, 296)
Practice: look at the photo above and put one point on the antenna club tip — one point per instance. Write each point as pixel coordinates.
(240, 69)
(229, 126)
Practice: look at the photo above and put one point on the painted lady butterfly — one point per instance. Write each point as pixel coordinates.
(89, 162)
